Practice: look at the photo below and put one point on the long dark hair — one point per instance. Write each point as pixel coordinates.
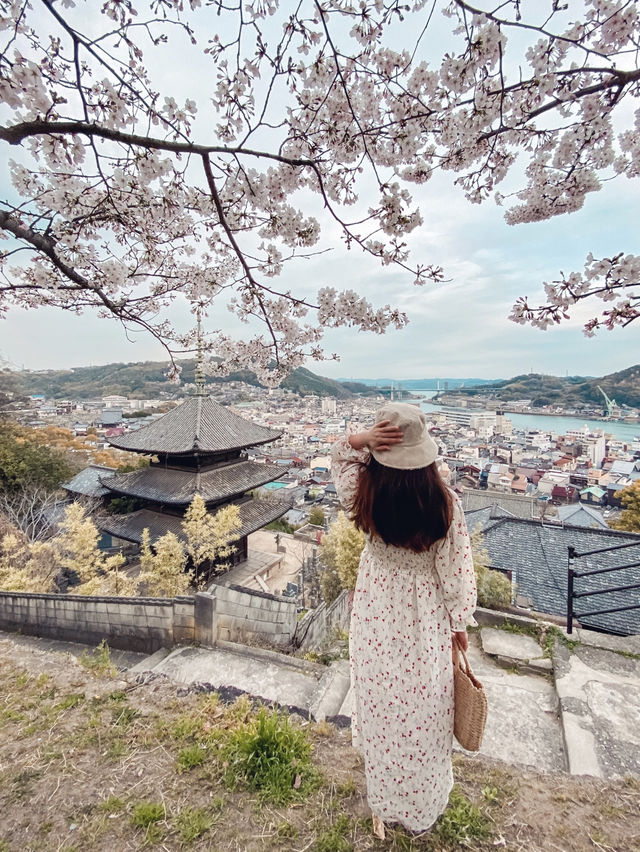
(407, 508)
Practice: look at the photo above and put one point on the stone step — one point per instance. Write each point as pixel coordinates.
(523, 723)
(259, 673)
(332, 691)
(149, 663)
(346, 709)
(599, 697)
(515, 650)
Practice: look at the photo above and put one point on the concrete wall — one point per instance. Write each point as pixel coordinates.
(230, 613)
(134, 624)
(318, 626)
(243, 615)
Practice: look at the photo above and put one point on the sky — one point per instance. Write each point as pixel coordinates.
(457, 329)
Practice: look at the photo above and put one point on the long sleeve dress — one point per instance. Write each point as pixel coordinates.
(405, 606)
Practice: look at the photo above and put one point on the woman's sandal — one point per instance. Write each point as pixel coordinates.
(378, 826)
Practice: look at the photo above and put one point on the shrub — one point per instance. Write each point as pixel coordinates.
(495, 590)
(271, 756)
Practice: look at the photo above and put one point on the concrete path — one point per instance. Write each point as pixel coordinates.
(595, 688)
(599, 692)
(523, 724)
(304, 686)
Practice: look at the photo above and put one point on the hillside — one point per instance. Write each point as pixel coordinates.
(147, 380)
(570, 391)
(95, 759)
(421, 384)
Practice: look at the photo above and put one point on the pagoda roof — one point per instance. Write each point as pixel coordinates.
(179, 487)
(254, 514)
(198, 425)
(88, 481)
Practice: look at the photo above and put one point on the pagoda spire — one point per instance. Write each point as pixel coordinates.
(199, 370)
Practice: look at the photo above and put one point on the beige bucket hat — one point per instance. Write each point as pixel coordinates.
(417, 448)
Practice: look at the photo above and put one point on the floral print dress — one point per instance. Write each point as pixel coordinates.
(405, 606)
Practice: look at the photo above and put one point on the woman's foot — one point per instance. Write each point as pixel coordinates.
(378, 827)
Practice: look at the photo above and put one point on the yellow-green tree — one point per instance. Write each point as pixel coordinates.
(163, 567)
(77, 550)
(316, 516)
(209, 535)
(340, 552)
(629, 519)
(25, 566)
(494, 588)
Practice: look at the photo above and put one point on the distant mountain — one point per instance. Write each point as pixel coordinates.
(421, 384)
(147, 380)
(570, 391)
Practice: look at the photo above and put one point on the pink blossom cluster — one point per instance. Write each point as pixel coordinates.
(129, 196)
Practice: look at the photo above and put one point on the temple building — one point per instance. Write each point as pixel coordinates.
(197, 448)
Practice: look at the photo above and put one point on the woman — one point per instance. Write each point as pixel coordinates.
(415, 591)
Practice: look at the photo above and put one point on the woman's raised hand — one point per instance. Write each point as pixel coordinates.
(381, 437)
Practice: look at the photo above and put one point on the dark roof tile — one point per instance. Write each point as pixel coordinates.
(254, 514)
(198, 425)
(179, 487)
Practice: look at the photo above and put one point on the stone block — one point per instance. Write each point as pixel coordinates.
(224, 633)
(205, 619)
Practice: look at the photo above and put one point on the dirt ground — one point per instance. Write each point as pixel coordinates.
(85, 748)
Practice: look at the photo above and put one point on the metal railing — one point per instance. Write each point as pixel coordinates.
(573, 575)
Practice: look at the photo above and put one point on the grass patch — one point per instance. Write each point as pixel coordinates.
(98, 661)
(192, 823)
(69, 701)
(462, 824)
(147, 815)
(269, 755)
(335, 838)
(112, 805)
(190, 757)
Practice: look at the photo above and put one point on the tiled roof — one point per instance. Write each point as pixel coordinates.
(199, 425)
(579, 515)
(88, 483)
(254, 514)
(519, 505)
(179, 487)
(537, 554)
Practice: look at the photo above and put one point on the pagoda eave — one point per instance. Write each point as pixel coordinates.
(175, 487)
(254, 515)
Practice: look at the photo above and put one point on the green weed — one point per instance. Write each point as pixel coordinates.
(98, 661)
(271, 756)
(462, 823)
(190, 757)
(123, 717)
(69, 701)
(334, 838)
(287, 829)
(112, 805)
(192, 823)
(147, 815)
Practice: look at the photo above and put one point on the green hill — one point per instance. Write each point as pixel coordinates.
(570, 391)
(148, 380)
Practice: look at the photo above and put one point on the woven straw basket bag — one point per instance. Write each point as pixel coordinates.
(470, 704)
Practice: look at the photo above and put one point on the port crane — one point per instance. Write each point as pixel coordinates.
(610, 403)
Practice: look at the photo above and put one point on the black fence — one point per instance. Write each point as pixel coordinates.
(574, 595)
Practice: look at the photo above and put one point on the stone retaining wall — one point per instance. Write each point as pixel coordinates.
(243, 615)
(318, 626)
(133, 624)
(230, 613)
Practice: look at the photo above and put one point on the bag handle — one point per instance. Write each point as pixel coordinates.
(460, 654)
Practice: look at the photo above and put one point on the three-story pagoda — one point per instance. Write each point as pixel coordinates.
(197, 448)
